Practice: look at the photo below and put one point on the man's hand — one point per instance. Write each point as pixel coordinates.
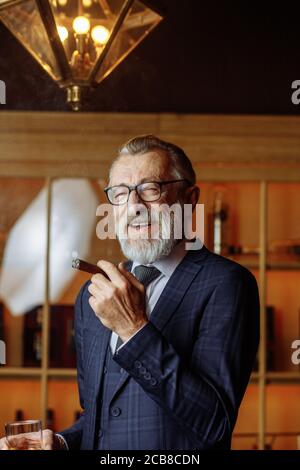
(51, 441)
(3, 444)
(119, 302)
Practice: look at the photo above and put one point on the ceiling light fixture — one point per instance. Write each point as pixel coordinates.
(79, 42)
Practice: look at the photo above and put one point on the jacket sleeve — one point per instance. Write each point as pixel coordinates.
(202, 395)
(73, 434)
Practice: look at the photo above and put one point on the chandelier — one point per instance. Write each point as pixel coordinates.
(79, 42)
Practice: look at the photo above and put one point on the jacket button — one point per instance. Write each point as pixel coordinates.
(121, 370)
(100, 433)
(115, 411)
(104, 370)
(147, 376)
(153, 382)
(143, 370)
(138, 364)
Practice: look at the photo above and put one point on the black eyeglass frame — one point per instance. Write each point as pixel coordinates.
(135, 188)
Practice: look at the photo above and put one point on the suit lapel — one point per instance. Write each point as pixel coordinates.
(97, 343)
(176, 288)
(173, 294)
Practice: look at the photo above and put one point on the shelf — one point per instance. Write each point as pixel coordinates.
(36, 372)
(62, 373)
(282, 263)
(283, 377)
(267, 434)
(277, 377)
(20, 371)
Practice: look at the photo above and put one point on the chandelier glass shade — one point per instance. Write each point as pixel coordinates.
(79, 42)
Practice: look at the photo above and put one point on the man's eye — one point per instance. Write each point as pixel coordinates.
(120, 192)
(153, 189)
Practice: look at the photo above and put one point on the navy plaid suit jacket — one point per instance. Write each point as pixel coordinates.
(185, 372)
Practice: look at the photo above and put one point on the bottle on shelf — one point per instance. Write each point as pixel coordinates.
(2, 338)
(271, 341)
(32, 337)
(50, 419)
(1, 321)
(218, 221)
(62, 350)
(19, 415)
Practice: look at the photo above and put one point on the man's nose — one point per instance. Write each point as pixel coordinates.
(134, 198)
(135, 205)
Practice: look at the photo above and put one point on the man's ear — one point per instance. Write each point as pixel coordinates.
(192, 195)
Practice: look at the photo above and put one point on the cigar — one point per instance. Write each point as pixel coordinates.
(87, 267)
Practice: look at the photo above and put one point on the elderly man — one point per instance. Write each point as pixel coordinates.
(165, 345)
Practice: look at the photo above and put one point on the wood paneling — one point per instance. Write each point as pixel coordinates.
(84, 144)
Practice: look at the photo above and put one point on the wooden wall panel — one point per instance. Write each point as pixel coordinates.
(84, 144)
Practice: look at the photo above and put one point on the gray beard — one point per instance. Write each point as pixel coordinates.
(147, 251)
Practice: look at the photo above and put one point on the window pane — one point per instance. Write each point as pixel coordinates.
(22, 267)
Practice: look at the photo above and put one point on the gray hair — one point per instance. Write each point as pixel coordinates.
(181, 165)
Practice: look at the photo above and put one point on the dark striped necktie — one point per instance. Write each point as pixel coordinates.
(144, 274)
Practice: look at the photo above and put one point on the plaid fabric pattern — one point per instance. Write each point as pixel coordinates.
(184, 373)
(145, 274)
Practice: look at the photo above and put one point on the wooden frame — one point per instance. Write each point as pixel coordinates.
(222, 148)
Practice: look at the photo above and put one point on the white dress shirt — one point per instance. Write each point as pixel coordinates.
(166, 266)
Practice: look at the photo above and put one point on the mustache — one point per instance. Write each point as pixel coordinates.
(144, 215)
(141, 218)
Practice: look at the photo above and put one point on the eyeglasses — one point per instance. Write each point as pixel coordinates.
(147, 192)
